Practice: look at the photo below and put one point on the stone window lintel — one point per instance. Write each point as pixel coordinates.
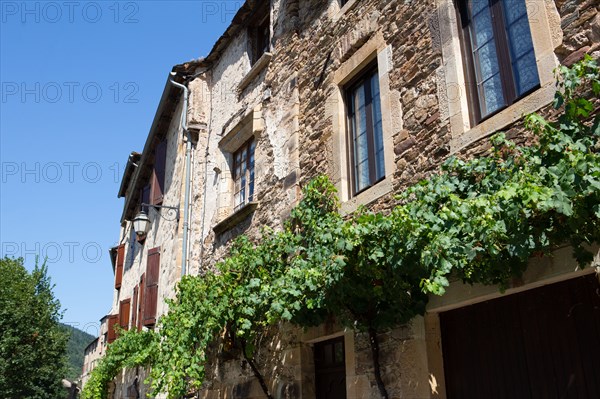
(249, 125)
(344, 9)
(256, 69)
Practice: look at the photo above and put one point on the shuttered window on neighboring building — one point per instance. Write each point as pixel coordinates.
(124, 312)
(158, 175)
(119, 266)
(140, 308)
(112, 322)
(134, 307)
(151, 294)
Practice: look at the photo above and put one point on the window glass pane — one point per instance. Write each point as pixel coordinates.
(362, 163)
(493, 99)
(362, 175)
(243, 190)
(521, 46)
(251, 173)
(377, 128)
(482, 25)
(478, 5)
(251, 186)
(252, 148)
(526, 73)
(514, 9)
(520, 38)
(361, 151)
(488, 61)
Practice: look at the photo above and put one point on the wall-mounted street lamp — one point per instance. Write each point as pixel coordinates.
(141, 221)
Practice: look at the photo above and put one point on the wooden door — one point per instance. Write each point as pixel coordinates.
(330, 369)
(542, 343)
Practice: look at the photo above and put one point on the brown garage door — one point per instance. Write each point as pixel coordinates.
(542, 343)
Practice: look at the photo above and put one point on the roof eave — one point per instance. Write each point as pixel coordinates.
(167, 99)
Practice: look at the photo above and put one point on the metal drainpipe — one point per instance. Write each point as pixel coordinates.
(188, 164)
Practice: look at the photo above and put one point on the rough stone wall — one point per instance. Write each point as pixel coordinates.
(289, 100)
(309, 47)
(294, 146)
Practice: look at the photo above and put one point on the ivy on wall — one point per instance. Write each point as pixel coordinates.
(479, 220)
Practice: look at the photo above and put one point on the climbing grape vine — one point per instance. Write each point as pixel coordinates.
(478, 220)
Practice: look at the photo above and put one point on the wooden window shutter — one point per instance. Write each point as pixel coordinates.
(124, 312)
(140, 309)
(151, 295)
(119, 266)
(112, 321)
(134, 307)
(158, 176)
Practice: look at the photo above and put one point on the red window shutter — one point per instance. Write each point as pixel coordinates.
(151, 295)
(140, 308)
(124, 312)
(158, 176)
(134, 307)
(119, 266)
(112, 321)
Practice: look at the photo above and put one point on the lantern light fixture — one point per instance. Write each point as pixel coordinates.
(141, 221)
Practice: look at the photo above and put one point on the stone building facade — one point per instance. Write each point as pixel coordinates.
(269, 109)
(94, 351)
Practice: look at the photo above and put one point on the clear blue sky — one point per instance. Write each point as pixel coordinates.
(81, 82)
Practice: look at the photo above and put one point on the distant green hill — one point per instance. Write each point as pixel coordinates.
(77, 342)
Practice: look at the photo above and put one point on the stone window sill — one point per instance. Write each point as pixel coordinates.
(531, 103)
(235, 218)
(350, 4)
(258, 66)
(366, 197)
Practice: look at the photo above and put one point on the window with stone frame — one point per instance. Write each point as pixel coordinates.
(259, 33)
(243, 174)
(239, 147)
(498, 54)
(365, 131)
(330, 368)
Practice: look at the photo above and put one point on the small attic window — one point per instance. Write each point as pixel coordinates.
(259, 34)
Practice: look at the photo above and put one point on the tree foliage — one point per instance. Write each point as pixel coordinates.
(479, 220)
(32, 344)
(78, 341)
